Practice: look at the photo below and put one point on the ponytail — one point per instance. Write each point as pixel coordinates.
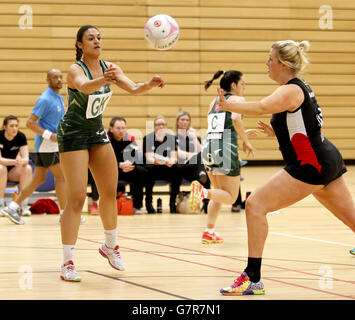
(215, 76)
(226, 81)
(79, 52)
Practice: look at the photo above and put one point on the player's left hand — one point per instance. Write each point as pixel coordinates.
(111, 74)
(248, 149)
(156, 81)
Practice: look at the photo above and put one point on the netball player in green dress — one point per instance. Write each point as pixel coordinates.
(83, 144)
(220, 153)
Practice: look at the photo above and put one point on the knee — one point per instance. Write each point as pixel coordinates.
(109, 191)
(76, 204)
(3, 171)
(252, 207)
(28, 170)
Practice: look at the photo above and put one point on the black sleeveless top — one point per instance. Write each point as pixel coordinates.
(302, 143)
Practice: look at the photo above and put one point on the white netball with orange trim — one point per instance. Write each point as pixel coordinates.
(161, 31)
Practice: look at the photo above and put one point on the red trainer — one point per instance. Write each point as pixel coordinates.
(196, 195)
(94, 209)
(208, 238)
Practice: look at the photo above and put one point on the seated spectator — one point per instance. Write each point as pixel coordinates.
(190, 166)
(126, 151)
(14, 158)
(160, 158)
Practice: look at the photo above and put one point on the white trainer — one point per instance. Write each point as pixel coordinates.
(113, 256)
(68, 272)
(13, 215)
(25, 211)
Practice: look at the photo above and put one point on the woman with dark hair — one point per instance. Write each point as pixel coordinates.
(84, 144)
(220, 153)
(14, 158)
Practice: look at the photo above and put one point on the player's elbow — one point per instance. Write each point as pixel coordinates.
(29, 123)
(262, 108)
(137, 90)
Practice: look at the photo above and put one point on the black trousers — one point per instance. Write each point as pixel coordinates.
(162, 172)
(239, 199)
(136, 179)
(191, 170)
(94, 194)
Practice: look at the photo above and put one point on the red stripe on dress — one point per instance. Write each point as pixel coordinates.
(304, 151)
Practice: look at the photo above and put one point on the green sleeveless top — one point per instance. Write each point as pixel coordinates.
(85, 111)
(220, 125)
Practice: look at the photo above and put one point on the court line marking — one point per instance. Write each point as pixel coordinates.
(233, 258)
(139, 285)
(290, 235)
(219, 268)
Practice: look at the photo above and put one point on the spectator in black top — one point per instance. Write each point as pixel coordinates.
(129, 169)
(14, 157)
(190, 166)
(160, 158)
(126, 151)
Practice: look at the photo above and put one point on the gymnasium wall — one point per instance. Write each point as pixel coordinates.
(37, 35)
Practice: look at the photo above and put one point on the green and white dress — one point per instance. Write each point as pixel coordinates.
(220, 149)
(81, 127)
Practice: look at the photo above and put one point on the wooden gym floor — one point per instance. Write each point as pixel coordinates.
(306, 255)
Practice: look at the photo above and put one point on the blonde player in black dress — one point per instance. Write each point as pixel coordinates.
(313, 164)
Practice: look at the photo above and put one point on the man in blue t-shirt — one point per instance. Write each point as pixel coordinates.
(44, 120)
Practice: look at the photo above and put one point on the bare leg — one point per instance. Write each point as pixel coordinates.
(103, 166)
(338, 200)
(59, 184)
(21, 174)
(74, 166)
(280, 191)
(224, 190)
(3, 180)
(38, 177)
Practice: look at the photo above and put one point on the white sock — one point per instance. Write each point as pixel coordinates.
(13, 205)
(210, 231)
(111, 238)
(68, 252)
(2, 202)
(61, 212)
